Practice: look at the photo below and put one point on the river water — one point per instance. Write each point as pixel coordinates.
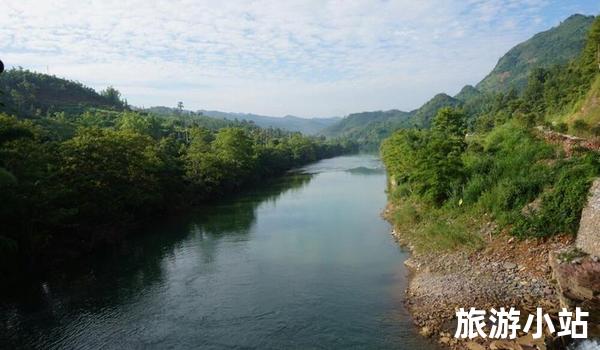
(302, 262)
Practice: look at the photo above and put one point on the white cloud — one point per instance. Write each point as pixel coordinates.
(273, 57)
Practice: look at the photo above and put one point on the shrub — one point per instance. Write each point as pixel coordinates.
(561, 206)
(580, 125)
(561, 127)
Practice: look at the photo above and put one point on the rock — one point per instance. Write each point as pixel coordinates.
(532, 208)
(505, 345)
(526, 340)
(471, 345)
(426, 332)
(579, 286)
(577, 260)
(509, 265)
(588, 237)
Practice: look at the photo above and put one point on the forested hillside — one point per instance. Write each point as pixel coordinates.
(558, 45)
(77, 167)
(31, 94)
(544, 51)
(423, 116)
(368, 128)
(446, 185)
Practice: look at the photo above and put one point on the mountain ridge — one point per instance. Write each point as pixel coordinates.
(557, 45)
(568, 39)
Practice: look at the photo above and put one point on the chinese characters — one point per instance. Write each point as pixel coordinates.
(505, 324)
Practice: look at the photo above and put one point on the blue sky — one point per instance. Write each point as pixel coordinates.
(307, 58)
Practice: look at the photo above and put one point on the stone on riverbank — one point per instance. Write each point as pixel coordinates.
(588, 237)
(579, 286)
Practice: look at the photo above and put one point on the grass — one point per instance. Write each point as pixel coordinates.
(587, 113)
(429, 228)
(506, 169)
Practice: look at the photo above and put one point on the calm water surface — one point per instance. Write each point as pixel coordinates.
(304, 262)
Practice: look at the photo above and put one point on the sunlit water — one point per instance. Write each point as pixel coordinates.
(305, 262)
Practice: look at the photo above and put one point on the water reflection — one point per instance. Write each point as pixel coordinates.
(303, 262)
(39, 304)
(361, 170)
(236, 215)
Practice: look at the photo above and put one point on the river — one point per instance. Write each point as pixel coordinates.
(302, 262)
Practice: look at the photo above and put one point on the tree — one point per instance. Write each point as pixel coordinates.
(113, 96)
(429, 162)
(233, 147)
(451, 122)
(109, 175)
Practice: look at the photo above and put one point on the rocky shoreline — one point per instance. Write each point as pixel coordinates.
(506, 272)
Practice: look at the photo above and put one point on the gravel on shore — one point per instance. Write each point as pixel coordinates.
(506, 272)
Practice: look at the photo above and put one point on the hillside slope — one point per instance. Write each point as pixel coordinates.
(369, 128)
(424, 115)
(557, 45)
(30, 94)
(589, 110)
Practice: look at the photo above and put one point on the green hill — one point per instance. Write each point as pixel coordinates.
(30, 94)
(555, 46)
(467, 93)
(369, 128)
(424, 115)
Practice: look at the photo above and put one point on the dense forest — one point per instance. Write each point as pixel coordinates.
(78, 168)
(488, 160)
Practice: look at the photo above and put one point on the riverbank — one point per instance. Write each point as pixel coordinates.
(504, 272)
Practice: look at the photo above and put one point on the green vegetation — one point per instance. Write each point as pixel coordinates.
(423, 117)
(556, 46)
(70, 182)
(369, 128)
(30, 94)
(485, 162)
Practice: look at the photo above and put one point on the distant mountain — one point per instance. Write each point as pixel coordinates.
(306, 126)
(555, 46)
(368, 128)
(187, 116)
(309, 126)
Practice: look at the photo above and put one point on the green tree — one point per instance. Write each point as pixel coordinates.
(113, 96)
(109, 175)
